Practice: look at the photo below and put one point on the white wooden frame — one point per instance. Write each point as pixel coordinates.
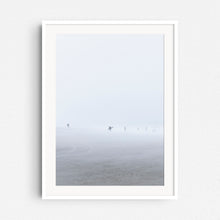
(49, 189)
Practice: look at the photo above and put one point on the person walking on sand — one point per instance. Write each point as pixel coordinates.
(110, 128)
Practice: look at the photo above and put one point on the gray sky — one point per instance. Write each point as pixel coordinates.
(109, 80)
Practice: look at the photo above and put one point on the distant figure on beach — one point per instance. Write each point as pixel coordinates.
(68, 125)
(124, 128)
(110, 128)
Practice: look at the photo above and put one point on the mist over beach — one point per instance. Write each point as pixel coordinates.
(109, 109)
(102, 157)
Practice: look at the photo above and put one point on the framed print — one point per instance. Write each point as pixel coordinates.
(109, 109)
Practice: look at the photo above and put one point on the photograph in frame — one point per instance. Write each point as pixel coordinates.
(109, 110)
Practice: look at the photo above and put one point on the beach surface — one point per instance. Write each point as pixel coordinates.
(97, 156)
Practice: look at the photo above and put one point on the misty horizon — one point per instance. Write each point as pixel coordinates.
(109, 109)
(109, 80)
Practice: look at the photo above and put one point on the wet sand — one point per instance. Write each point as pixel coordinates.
(102, 157)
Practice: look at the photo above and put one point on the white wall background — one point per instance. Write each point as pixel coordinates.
(20, 112)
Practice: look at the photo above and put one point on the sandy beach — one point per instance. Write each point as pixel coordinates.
(102, 157)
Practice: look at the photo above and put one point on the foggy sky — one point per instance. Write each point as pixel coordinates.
(106, 80)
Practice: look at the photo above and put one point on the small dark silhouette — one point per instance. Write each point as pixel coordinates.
(124, 128)
(110, 128)
(68, 125)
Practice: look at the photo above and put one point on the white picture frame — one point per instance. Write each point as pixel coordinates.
(49, 31)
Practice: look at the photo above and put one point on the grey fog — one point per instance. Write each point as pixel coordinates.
(109, 109)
